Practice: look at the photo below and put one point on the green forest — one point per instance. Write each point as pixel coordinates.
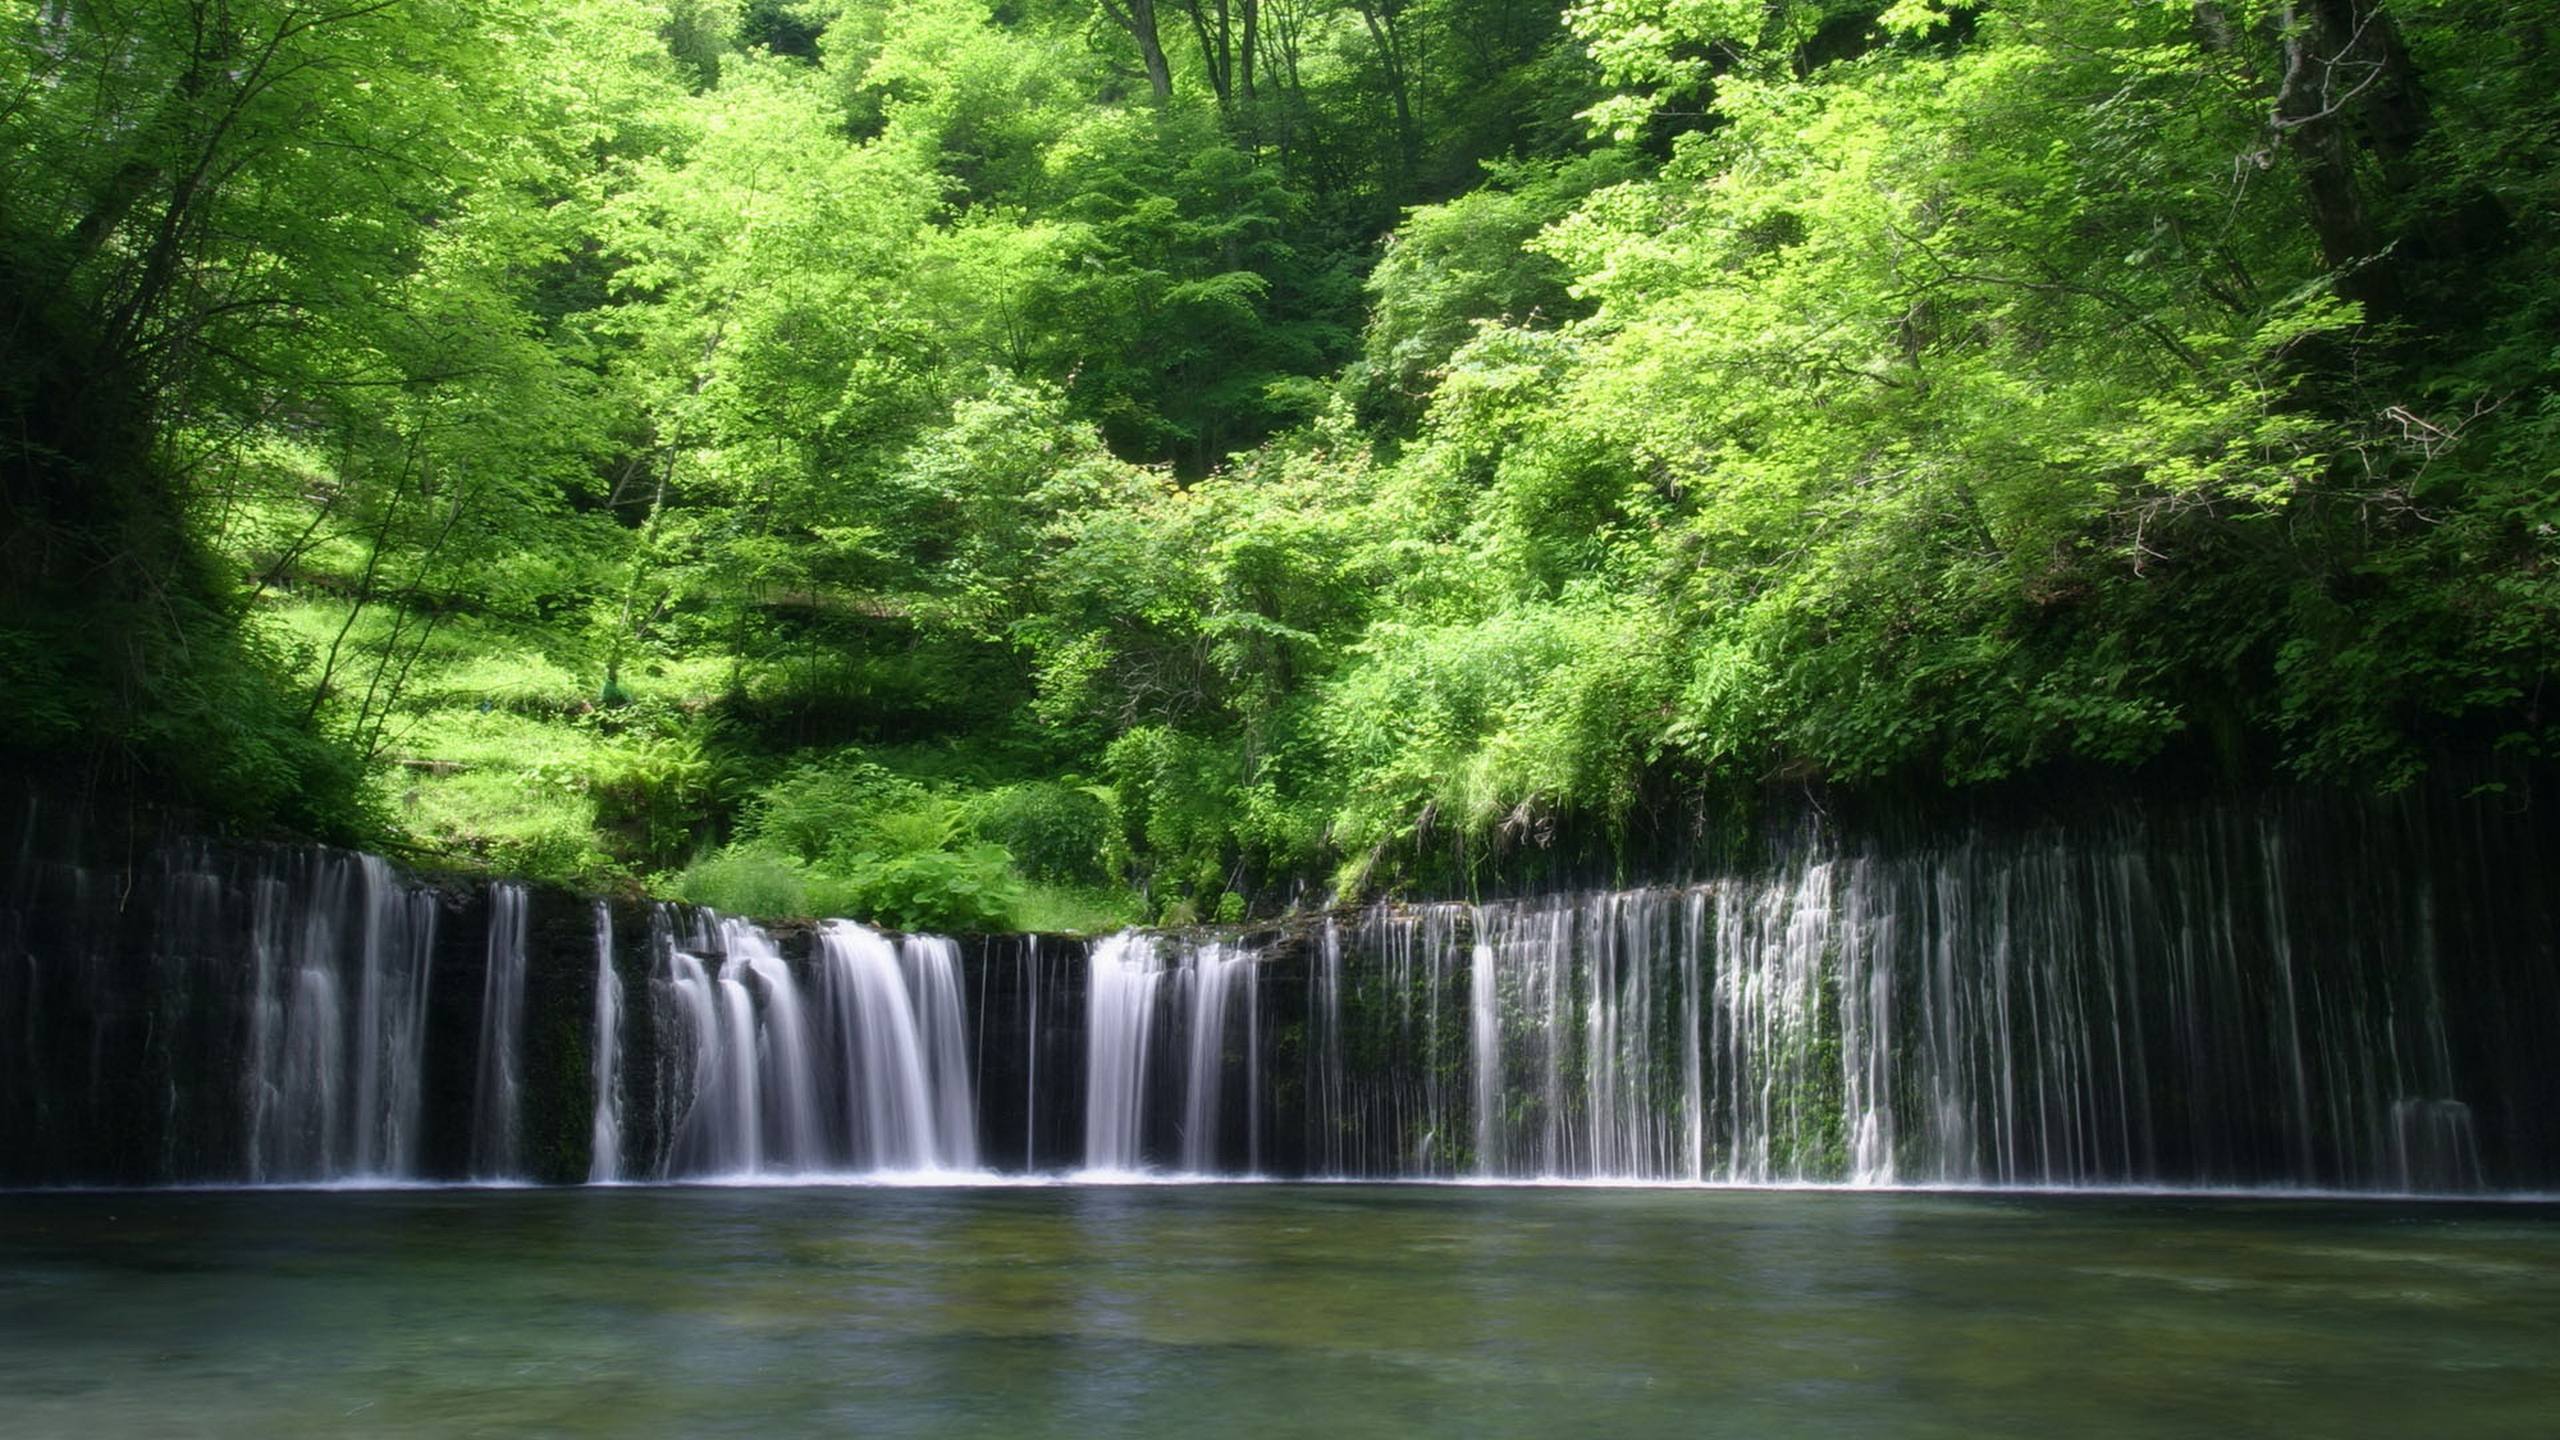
(1055, 464)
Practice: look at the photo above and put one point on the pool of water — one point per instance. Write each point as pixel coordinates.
(1238, 1310)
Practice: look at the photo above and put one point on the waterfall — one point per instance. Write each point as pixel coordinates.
(1194, 993)
(292, 1103)
(2161, 1002)
(1693, 1075)
(1253, 1067)
(606, 1144)
(1770, 1033)
(1484, 1044)
(1031, 1055)
(896, 1017)
(297, 1084)
(931, 964)
(200, 1013)
(1328, 1104)
(397, 951)
(2433, 1145)
(2315, 994)
(1123, 979)
(341, 955)
(497, 1099)
(769, 1029)
(880, 1048)
(741, 1118)
(700, 1124)
(1384, 985)
(1209, 977)
(869, 1072)
(734, 1055)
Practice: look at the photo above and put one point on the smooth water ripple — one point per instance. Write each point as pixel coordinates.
(1338, 1310)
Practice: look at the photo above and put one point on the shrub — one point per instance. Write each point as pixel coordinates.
(1176, 791)
(970, 889)
(561, 853)
(816, 807)
(744, 880)
(1056, 833)
(660, 795)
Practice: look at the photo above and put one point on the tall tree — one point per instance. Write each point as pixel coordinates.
(1229, 36)
(2350, 110)
(1137, 18)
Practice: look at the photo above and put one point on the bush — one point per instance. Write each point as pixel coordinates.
(563, 854)
(1177, 791)
(971, 889)
(744, 880)
(817, 807)
(1056, 833)
(660, 795)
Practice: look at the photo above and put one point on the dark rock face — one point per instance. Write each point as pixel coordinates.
(1027, 999)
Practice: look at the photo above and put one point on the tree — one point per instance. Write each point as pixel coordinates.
(230, 226)
(1138, 19)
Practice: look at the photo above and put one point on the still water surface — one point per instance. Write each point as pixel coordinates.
(1252, 1310)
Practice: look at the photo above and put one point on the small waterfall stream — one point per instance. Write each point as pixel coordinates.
(605, 1142)
(1208, 978)
(1124, 978)
(1206, 996)
(342, 953)
(931, 964)
(498, 1098)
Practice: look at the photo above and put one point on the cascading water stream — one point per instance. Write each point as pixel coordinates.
(1484, 1044)
(740, 1118)
(2023, 1015)
(1209, 978)
(699, 1121)
(1252, 1067)
(931, 966)
(896, 1017)
(342, 954)
(1129, 980)
(605, 1162)
(871, 1074)
(1124, 977)
(880, 1049)
(1330, 1115)
(766, 1021)
(718, 1129)
(1030, 1055)
(498, 1099)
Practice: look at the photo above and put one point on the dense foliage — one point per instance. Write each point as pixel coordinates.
(1049, 463)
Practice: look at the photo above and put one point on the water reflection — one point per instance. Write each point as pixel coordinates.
(1329, 1310)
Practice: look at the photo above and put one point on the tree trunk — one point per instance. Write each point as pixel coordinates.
(1214, 29)
(1381, 17)
(2348, 93)
(1249, 20)
(1138, 17)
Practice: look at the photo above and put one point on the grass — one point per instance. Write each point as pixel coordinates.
(1067, 910)
(745, 881)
